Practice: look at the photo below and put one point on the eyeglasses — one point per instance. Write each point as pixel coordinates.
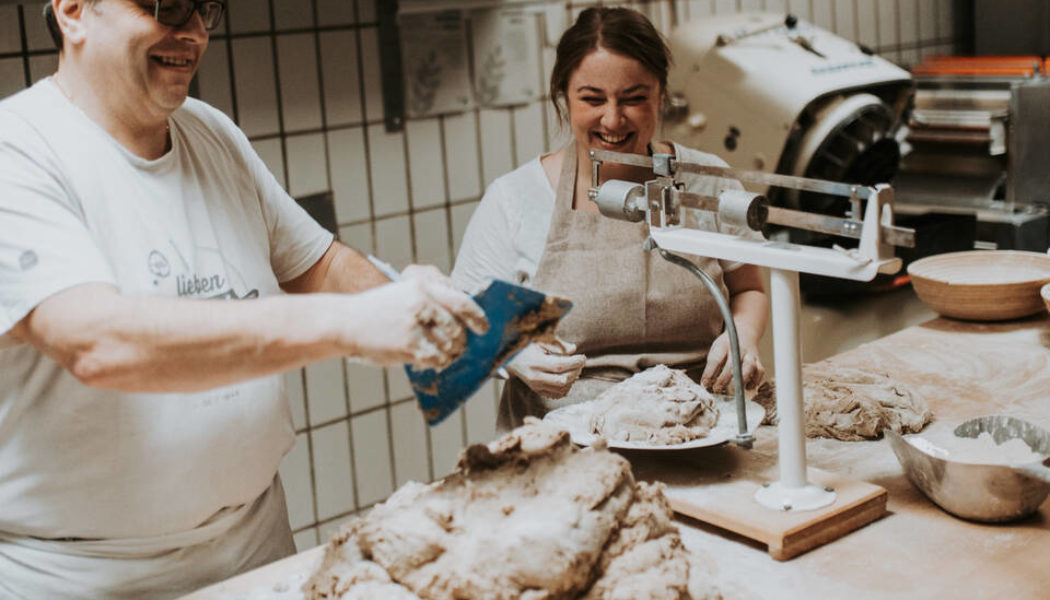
(176, 13)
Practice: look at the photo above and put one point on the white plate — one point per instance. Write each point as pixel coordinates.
(576, 419)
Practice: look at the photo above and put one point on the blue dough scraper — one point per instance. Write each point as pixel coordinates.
(517, 315)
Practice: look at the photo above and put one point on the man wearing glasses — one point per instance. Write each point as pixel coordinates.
(142, 414)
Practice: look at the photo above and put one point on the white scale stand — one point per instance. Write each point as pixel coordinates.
(805, 507)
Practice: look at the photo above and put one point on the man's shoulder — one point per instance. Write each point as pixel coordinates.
(198, 112)
(30, 120)
(33, 104)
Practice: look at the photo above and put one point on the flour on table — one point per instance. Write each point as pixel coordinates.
(660, 405)
(852, 404)
(528, 516)
(979, 450)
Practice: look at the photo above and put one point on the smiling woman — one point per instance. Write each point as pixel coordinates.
(535, 226)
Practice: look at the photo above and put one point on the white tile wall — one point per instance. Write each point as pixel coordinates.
(12, 76)
(497, 144)
(397, 384)
(247, 16)
(42, 66)
(823, 14)
(300, 89)
(10, 34)
(367, 387)
(37, 37)
(405, 196)
(307, 538)
(846, 19)
(307, 164)
(213, 78)
(410, 451)
(366, 10)
(481, 413)
(292, 14)
(255, 84)
(446, 441)
(358, 236)
(529, 131)
(326, 390)
(370, 74)
(269, 150)
(330, 528)
(426, 163)
(333, 474)
(460, 217)
(388, 171)
(432, 238)
(342, 82)
(752, 5)
(461, 151)
(350, 174)
(394, 241)
(372, 459)
(869, 22)
(335, 12)
(293, 384)
(888, 30)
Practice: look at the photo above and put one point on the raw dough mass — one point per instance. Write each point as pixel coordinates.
(528, 516)
(851, 404)
(660, 405)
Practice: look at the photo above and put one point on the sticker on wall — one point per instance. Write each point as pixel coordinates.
(434, 62)
(506, 57)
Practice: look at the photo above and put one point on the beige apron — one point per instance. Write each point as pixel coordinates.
(631, 308)
(231, 542)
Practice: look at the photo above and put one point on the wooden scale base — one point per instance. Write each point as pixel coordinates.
(731, 505)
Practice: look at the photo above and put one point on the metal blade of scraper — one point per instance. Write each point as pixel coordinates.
(517, 316)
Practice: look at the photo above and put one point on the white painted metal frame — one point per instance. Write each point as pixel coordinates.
(786, 260)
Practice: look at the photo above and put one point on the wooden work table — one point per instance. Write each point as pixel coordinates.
(964, 370)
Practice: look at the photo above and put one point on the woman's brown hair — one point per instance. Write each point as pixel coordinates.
(620, 30)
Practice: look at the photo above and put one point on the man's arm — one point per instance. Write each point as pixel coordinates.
(340, 270)
(149, 344)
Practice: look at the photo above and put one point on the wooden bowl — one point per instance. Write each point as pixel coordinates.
(1045, 293)
(982, 285)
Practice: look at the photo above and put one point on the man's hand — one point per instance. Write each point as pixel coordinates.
(718, 374)
(548, 369)
(419, 320)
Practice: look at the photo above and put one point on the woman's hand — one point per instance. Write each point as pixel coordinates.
(750, 305)
(548, 369)
(718, 374)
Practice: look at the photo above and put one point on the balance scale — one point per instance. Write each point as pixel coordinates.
(804, 508)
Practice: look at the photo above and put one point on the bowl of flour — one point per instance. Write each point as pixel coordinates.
(990, 469)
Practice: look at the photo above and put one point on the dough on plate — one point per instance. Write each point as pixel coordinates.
(529, 516)
(852, 404)
(660, 405)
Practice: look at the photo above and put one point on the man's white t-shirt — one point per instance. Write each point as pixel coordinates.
(206, 220)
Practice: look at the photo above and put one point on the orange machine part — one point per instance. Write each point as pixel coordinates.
(1022, 66)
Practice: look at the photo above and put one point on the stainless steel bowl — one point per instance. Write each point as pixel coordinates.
(981, 492)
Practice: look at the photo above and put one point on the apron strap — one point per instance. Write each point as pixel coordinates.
(566, 189)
